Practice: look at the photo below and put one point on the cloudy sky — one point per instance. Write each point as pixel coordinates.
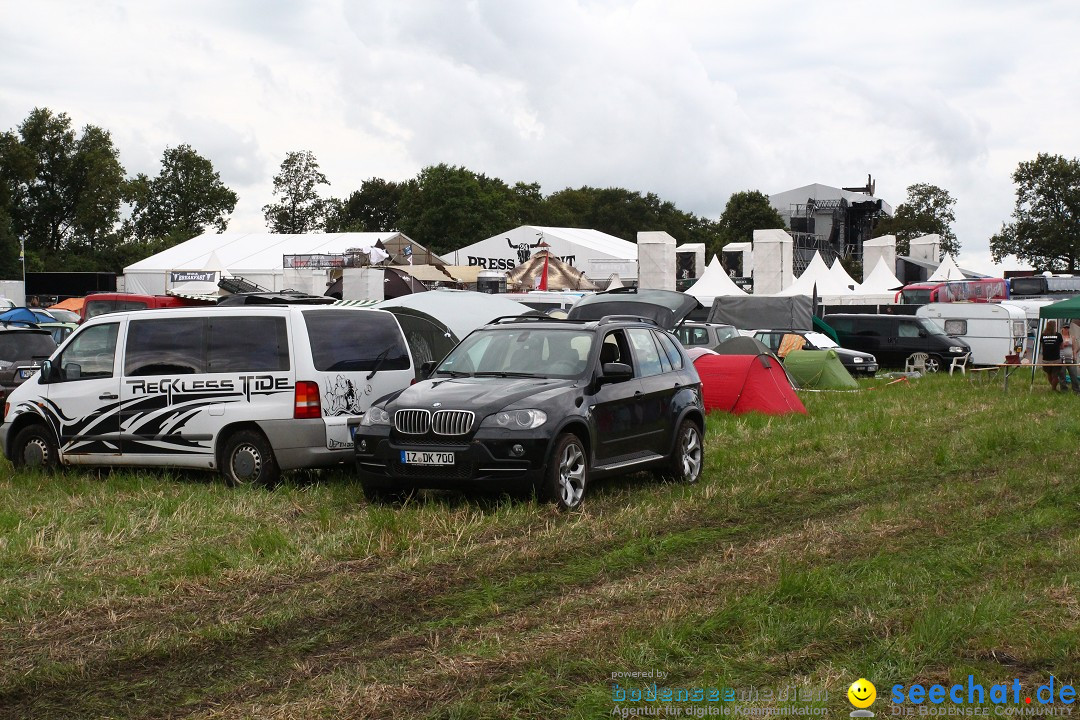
(692, 100)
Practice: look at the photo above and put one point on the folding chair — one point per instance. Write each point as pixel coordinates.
(961, 363)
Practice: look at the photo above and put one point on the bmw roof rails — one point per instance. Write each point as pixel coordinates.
(616, 318)
(530, 318)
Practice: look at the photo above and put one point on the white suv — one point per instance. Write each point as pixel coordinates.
(247, 390)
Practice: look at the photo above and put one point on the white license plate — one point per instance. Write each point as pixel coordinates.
(427, 458)
(27, 372)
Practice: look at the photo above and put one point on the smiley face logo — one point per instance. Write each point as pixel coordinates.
(862, 693)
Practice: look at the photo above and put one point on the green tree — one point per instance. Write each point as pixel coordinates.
(928, 210)
(185, 199)
(300, 209)
(745, 212)
(1045, 231)
(372, 208)
(623, 213)
(446, 207)
(63, 190)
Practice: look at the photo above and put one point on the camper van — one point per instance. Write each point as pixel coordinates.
(894, 338)
(247, 390)
(992, 330)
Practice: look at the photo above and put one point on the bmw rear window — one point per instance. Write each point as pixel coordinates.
(343, 340)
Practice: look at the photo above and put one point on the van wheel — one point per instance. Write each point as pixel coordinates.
(249, 460)
(687, 459)
(933, 364)
(34, 447)
(567, 473)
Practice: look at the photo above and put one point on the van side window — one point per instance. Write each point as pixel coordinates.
(908, 329)
(247, 344)
(91, 354)
(343, 339)
(842, 325)
(169, 346)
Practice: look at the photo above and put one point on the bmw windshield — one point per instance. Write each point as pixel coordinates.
(520, 352)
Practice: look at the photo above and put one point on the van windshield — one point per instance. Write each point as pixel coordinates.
(932, 328)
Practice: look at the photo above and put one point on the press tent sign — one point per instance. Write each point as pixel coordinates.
(594, 253)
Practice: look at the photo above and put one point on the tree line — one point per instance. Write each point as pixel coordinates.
(66, 196)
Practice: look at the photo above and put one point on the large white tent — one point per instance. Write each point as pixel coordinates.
(596, 254)
(256, 257)
(714, 283)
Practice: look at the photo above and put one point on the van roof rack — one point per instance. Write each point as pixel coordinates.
(283, 297)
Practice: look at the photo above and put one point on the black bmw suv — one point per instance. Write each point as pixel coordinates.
(533, 402)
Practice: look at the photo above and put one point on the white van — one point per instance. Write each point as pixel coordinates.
(992, 330)
(247, 390)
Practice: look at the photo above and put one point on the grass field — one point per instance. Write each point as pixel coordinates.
(912, 533)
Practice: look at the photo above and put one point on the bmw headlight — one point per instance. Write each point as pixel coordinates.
(517, 419)
(376, 416)
(957, 349)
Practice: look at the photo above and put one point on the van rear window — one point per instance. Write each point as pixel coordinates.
(344, 339)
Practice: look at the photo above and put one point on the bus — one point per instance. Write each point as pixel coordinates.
(1059, 287)
(973, 290)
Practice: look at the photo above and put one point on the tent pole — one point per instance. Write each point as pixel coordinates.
(1035, 352)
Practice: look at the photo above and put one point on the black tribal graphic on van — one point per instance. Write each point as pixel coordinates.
(151, 424)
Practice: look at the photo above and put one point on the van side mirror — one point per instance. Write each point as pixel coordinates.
(922, 333)
(49, 373)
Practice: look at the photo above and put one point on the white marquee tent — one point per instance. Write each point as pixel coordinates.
(256, 257)
(596, 254)
(714, 283)
(947, 270)
(817, 275)
(841, 276)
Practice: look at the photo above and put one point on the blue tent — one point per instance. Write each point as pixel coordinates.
(23, 316)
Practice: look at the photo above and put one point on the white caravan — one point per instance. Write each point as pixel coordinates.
(992, 330)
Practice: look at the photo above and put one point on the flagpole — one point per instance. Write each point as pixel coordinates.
(22, 258)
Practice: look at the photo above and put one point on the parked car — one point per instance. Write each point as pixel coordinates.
(103, 303)
(249, 391)
(704, 334)
(22, 349)
(894, 338)
(539, 403)
(64, 316)
(783, 341)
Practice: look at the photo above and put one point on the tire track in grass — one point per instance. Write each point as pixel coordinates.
(147, 684)
(441, 669)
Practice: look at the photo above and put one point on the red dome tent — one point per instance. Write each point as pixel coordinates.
(746, 383)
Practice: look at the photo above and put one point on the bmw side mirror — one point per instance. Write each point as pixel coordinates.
(615, 372)
(426, 368)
